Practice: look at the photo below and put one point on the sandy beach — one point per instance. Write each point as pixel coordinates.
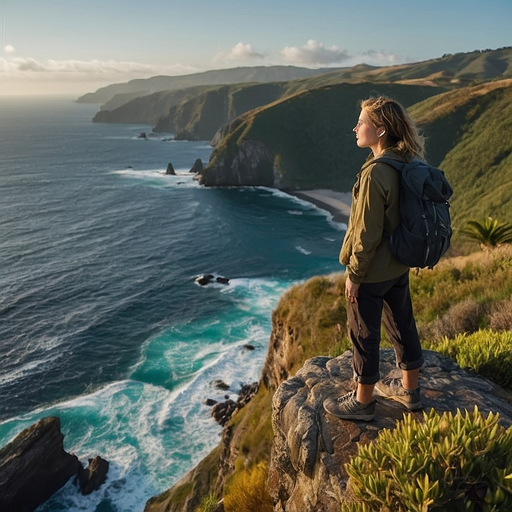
(336, 203)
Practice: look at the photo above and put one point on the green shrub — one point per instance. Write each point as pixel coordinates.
(446, 462)
(247, 491)
(209, 504)
(485, 352)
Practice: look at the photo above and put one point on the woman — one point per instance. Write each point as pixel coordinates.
(377, 285)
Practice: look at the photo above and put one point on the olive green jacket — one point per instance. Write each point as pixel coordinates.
(373, 216)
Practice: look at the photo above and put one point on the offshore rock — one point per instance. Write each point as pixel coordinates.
(94, 476)
(33, 466)
(170, 169)
(198, 166)
(223, 411)
(310, 447)
(204, 279)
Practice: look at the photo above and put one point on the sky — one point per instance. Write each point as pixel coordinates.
(78, 46)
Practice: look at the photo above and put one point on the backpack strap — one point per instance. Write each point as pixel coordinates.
(396, 164)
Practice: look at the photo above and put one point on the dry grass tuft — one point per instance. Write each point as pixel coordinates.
(463, 317)
(500, 317)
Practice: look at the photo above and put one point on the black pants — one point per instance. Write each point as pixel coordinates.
(388, 302)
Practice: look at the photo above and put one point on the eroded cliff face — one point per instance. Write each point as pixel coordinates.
(250, 164)
(284, 353)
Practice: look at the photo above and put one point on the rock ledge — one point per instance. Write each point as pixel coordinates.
(311, 447)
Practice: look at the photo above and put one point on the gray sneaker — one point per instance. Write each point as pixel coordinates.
(392, 388)
(347, 407)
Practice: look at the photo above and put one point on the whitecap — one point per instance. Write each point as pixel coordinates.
(302, 250)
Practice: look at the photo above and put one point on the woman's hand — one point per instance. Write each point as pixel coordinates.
(351, 290)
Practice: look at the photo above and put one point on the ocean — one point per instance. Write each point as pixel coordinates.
(101, 321)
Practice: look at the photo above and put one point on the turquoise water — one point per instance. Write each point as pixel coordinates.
(101, 321)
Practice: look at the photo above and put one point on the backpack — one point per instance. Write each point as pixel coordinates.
(424, 233)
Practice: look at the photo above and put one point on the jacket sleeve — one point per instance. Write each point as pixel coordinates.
(367, 223)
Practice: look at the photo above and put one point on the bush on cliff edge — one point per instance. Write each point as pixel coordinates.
(460, 462)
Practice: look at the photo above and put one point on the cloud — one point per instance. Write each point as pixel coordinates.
(377, 58)
(77, 70)
(241, 51)
(314, 53)
(9, 48)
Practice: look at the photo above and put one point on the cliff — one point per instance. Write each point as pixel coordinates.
(140, 100)
(302, 447)
(199, 115)
(303, 141)
(33, 466)
(145, 86)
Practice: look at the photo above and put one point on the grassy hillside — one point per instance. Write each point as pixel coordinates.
(198, 116)
(145, 86)
(469, 134)
(144, 110)
(157, 100)
(310, 133)
(309, 136)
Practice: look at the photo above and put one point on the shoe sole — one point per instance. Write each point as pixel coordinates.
(412, 407)
(366, 417)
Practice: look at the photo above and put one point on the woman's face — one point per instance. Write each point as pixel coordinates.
(366, 132)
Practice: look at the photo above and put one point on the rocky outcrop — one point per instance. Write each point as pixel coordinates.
(170, 169)
(311, 447)
(251, 164)
(223, 411)
(33, 466)
(205, 279)
(94, 476)
(197, 167)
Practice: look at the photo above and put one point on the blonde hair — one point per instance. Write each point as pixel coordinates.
(401, 132)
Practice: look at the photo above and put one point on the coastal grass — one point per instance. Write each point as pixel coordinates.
(247, 491)
(461, 296)
(316, 310)
(464, 294)
(465, 131)
(209, 504)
